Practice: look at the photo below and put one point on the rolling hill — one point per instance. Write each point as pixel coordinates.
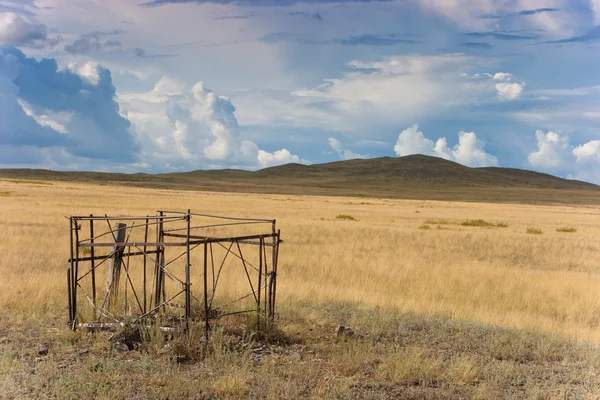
(413, 177)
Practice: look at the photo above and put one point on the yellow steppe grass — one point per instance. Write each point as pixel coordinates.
(500, 276)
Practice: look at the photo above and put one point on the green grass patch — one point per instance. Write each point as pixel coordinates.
(345, 217)
(534, 231)
(566, 229)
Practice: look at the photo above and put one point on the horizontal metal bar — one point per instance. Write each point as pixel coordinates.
(88, 218)
(95, 258)
(217, 225)
(218, 216)
(114, 325)
(171, 244)
(134, 244)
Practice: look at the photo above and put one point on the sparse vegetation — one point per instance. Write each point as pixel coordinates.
(483, 224)
(521, 307)
(425, 226)
(534, 231)
(470, 222)
(4, 193)
(345, 217)
(566, 229)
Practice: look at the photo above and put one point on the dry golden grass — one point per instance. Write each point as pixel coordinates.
(503, 277)
(421, 300)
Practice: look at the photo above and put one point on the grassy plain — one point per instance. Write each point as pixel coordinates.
(474, 306)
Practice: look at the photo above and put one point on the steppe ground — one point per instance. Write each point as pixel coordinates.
(447, 299)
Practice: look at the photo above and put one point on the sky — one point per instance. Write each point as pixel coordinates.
(177, 85)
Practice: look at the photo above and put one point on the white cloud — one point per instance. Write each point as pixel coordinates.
(343, 153)
(588, 153)
(389, 91)
(596, 7)
(555, 154)
(19, 30)
(412, 141)
(469, 150)
(465, 13)
(43, 107)
(554, 151)
(193, 128)
(54, 120)
(278, 157)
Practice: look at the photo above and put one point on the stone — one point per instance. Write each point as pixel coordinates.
(343, 330)
(119, 346)
(296, 356)
(42, 350)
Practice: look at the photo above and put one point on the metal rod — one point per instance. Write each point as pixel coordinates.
(92, 264)
(218, 225)
(216, 282)
(71, 273)
(206, 316)
(188, 305)
(218, 216)
(75, 271)
(246, 270)
(275, 264)
(107, 218)
(260, 267)
(145, 262)
(70, 322)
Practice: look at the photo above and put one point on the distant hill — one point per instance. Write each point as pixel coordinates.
(414, 177)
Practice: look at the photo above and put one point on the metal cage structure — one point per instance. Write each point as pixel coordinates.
(138, 270)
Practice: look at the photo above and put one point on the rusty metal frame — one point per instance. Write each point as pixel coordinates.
(150, 299)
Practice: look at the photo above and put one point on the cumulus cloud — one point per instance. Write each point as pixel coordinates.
(20, 30)
(278, 157)
(343, 153)
(469, 151)
(555, 154)
(193, 127)
(554, 151)
(71, 110)
(508, 88)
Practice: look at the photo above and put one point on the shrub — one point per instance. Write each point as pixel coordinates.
(483, 224)
(425, 226)
(345, 217)
(566, 229)
(534, 231)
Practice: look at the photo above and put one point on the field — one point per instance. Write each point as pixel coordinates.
(447, 300)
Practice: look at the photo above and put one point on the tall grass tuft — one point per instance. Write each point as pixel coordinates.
(566, 229)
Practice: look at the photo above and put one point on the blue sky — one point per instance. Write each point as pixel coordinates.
(172, 85)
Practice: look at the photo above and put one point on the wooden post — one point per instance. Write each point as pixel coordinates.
(114, 269)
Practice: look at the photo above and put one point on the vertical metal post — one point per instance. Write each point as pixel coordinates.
(70, 277)
(206, 316)
(159, 262)
(69, 294)
(260, 269)
(188, 297)
(93, 264)
(275, 262)
(145, 260)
